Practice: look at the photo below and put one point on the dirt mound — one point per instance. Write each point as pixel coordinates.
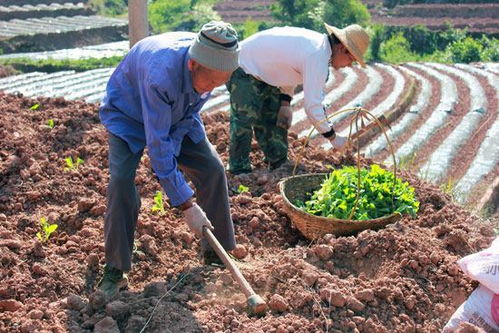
(7, 71)
(402, 278)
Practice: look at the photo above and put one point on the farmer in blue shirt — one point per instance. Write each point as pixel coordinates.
(153, 100)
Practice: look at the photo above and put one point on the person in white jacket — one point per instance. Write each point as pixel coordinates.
(271, 64)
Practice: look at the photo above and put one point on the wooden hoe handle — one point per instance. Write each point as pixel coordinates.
(236, 274)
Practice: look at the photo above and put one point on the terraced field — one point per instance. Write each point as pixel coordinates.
(476, 18)
(443, 118)
(39, 25)
(242, 10)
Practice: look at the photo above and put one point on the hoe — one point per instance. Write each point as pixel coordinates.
(256, 304)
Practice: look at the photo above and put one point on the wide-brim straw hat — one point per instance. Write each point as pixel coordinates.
(354, 38)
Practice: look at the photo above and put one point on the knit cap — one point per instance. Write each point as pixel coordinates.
(216, 47)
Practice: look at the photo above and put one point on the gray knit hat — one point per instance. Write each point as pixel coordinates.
(216, 47)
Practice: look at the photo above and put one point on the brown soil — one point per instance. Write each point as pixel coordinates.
(399, 279)
(7, 71)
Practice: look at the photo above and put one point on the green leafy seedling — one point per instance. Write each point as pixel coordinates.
(380, 194)
(35, 106)
(46, 229)
(242, 189)
(158, 207)
(51, 123)
(73, 165)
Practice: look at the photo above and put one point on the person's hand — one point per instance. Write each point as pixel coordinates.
(339, 142)
(285, 117)
(196, 219)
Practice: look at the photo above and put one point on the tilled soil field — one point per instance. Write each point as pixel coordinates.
(399, 279)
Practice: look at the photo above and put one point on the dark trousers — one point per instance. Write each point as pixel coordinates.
(199, 162)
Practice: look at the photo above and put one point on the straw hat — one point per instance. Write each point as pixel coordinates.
(354, 38)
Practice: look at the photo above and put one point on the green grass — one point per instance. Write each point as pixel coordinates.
(52, 65)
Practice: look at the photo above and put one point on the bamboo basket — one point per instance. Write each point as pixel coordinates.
(311, 226)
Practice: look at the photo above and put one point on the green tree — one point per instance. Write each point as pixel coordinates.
(465, 51)
(165, 15)
(295, 12)
(396, 49)
(109, 7)
(312, 14)
(377, 33)
(186, 15)
(490, 50)
(341, 13)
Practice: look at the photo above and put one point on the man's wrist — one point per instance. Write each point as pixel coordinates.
(331, 134)
(186, 205)
(285, 99)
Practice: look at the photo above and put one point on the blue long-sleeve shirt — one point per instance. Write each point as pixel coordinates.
(150, 101)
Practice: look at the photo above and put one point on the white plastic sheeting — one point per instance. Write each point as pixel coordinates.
(448, 99)
(215, 102)
(440, 160)
(17, 27)
(15, 80)
(492, 67)
(94, 51)
(296, 98)
(485, 161)
(487, 157)
(333, 95)
(27, 87)
(72, 85)
(67, 84)
(394, 96)
(415, 109)
(387, 103)
(375, 83)
(373, 86)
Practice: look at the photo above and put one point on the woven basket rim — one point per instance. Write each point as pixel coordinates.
(323, 218)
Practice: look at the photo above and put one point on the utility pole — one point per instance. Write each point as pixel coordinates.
(138, 26)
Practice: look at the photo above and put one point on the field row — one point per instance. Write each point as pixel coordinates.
(27, 26)
(43, 10)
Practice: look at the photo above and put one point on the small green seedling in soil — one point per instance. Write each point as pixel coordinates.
(46, 230)
(35, 106)
(73, 165)
(242, 189)
(448, 187)
(51, 123)
(158, 207)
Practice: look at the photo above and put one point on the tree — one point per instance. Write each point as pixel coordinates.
(186, 15)
(312, 14)
(296, 12)
(341, 13)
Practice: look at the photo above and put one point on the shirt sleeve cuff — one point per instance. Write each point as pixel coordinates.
(177, 194)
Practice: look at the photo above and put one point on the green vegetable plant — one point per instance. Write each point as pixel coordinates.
(72, 165)
(380, 195)
(35, 106)
(158, 207)
(51, 123)
(242, 189)
(46, 229)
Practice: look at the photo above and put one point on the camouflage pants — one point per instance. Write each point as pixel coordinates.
(253, 108)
